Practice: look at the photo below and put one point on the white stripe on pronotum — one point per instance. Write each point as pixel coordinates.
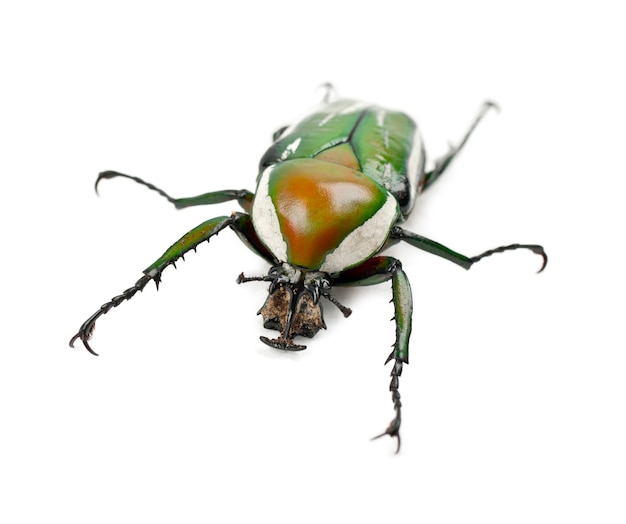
(364, 241)
(265, 219)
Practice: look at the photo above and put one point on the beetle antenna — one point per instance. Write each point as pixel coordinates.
(345, 310)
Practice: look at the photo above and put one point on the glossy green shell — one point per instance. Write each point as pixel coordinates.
(383, 145)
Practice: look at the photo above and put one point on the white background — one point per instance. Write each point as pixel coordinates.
(514, 398)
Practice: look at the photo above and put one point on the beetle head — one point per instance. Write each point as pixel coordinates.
(293, 306)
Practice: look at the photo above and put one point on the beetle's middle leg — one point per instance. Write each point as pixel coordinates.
(442, 163)
(243, 196)
(430, 246)
(375, 271)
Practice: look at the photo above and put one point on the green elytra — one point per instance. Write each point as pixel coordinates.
(331, 173)
(378, 146)
(380, 140)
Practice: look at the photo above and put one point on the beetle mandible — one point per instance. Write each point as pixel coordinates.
(330, 194)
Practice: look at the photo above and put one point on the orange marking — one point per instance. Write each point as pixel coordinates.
(318, 204)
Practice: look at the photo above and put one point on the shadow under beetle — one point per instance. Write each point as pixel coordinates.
(330, 194)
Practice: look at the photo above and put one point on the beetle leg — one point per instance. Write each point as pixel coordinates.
(243, 196)
(330, 93)
(237, 221)
(374, 271)
(425, 244)
(278, 133)
(442, 163)
(247, 234)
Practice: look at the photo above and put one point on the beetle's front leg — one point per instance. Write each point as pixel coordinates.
(188, 242)
(375, 271)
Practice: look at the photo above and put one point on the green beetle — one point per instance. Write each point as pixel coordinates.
(330, 194)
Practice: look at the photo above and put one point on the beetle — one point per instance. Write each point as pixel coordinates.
(330, 194)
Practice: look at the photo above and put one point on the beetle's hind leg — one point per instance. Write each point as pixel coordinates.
(243, 196)
(442, 163)
(330, 92)
(329, 96)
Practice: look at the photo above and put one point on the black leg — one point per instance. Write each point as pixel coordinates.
(442, 163)
(330, 93)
